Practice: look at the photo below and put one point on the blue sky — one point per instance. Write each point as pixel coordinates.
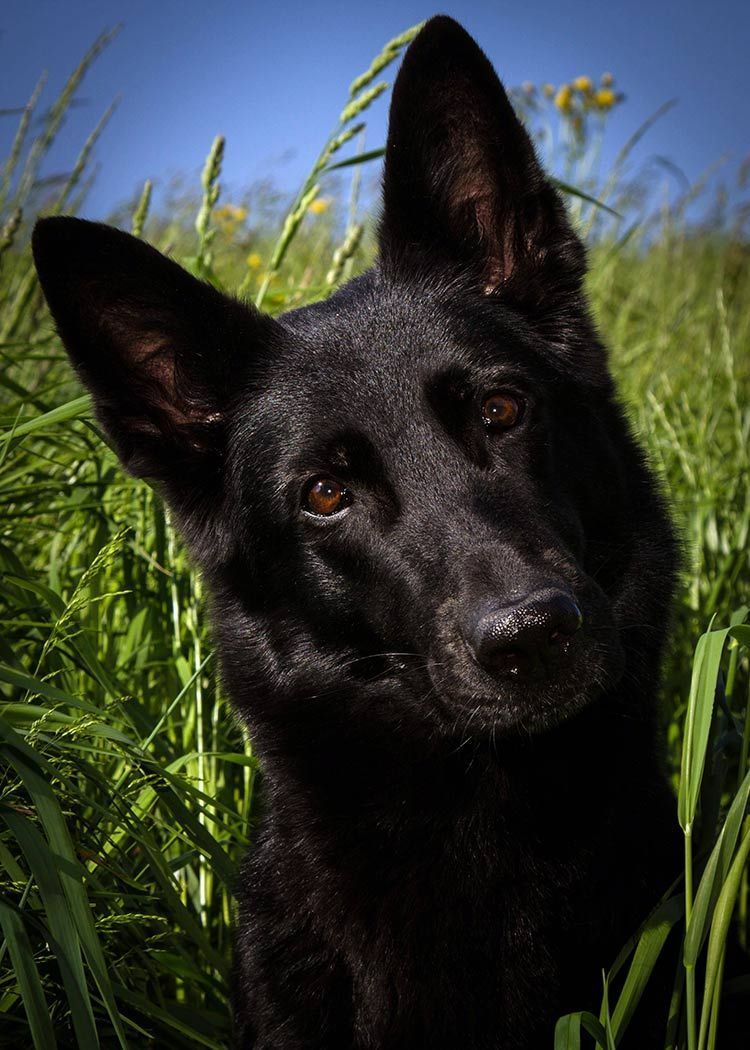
(273, 77)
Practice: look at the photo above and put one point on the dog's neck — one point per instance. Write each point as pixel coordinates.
(379, 786)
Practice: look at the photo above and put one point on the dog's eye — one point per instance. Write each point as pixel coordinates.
(501, 410)
(324, 496)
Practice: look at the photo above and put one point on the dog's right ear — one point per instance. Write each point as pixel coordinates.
(161, 352)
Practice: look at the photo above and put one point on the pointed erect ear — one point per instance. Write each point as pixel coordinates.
(462, 184)
(160, 351)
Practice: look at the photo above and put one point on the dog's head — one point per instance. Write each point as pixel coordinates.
(418, 496)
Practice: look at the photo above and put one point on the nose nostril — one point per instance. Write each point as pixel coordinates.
(567, 622)
(570, 621)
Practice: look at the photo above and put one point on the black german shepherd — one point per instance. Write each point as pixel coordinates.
(440, 572)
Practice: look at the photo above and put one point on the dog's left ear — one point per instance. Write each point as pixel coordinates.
(462, 183)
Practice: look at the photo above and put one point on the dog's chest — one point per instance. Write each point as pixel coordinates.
(453, 972)
(455, 952)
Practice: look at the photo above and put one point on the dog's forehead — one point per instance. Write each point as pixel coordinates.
(374, 340)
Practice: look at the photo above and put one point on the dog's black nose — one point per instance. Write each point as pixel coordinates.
(526, 637)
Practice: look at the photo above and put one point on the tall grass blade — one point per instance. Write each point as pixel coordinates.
(715, 875)
(78, 408)
(22, 758)
(27, 975)
(647, 952)
(63, 936)
(568, 1031)
(717, 938)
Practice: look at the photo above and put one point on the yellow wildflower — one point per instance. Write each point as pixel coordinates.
(582, 83)
(605, 98)
(319, 206)
(231, 214)
(564, 98)
(254, 260)
(548, 90)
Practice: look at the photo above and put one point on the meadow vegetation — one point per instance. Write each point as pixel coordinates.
(127, 788)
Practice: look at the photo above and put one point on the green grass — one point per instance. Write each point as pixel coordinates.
(127, 788)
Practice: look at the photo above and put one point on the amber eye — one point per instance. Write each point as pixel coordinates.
(501, 410)
(324, 496)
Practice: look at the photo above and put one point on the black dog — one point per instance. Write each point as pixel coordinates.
(440, 571)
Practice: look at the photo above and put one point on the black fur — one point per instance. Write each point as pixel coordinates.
(448, 856)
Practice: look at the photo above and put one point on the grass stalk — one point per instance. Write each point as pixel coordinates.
(692, 1030)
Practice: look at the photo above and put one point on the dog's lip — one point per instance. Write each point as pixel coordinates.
(509, 714)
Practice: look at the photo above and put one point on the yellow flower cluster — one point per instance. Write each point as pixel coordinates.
(582, 94)
(228, 217)
(319, 206)
(230, 214)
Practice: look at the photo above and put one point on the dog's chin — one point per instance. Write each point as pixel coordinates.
(473, 703)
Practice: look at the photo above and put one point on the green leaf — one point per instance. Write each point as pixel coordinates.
(717, 938)
(715, 875)
(45, 867)
(34, 685)
(706, 664)
(650, 944)
(573, 191)
(78, 408)
(27, 975)
(568, 1030)
(610, 1043)
(169, 1018)
(359, 158)
(23, 760)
